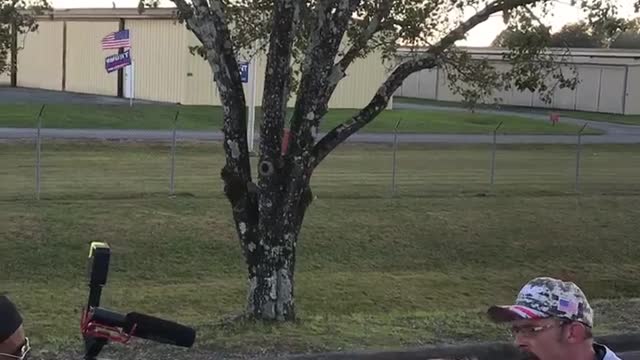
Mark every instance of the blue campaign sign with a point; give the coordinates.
(244, 72)
(117, 61)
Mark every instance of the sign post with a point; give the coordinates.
(248, 72)
(254, 76)
(132, 85)
(578, 155)
(493, 155)
(394, 166)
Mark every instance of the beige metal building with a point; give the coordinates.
(609, 82)
(65, 54)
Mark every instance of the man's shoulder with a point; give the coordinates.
(604, 353)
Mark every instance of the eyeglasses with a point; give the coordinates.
(531, 331)
(22, 353)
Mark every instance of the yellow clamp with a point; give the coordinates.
(95, 245)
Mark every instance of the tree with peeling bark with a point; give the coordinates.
(309, 47)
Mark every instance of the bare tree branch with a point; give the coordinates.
(427, 61)
(278, 76)
(331, 25)
(338, 72)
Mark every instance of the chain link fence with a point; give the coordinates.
(48, 168)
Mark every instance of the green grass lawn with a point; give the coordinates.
(160, 117)
(585, 115)
(373, 271)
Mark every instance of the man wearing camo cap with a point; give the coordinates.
(552, 320)
(14, 345)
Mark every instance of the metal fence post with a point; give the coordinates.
(493, 155)
(394, 163)
(38, 152)
(172, 181)
(578, 155)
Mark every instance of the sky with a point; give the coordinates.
(482, 35)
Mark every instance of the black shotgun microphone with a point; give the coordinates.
(99, 326)
(107, 317)
(159, 330)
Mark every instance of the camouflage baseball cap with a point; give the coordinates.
(546, 297)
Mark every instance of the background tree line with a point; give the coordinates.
(616, 33)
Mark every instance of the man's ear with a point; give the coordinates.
(576, 333)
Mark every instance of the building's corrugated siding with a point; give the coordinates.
(85, 69)
(537, 101)
(199, 86)
(589, 88)
(364, 77)
(505, 95)
(444, 91)
(600, 89)
(159, 50)
(565, 98)
(521, 98)
(260, 64)
(411, 85)
(612, 90)
(632, 103)
(40, 61)
(426, 81)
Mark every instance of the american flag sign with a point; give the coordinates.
(116, 40)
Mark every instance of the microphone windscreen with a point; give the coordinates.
(108, 317)
(159, 330)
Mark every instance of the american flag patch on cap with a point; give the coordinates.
(568, 306)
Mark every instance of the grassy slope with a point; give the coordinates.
(586, 115)
(405, 272)
(372, 271)
(157, 117)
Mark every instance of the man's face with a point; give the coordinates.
(545, 339)
(11, 348)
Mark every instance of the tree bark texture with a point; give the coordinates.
(271, 259)
(268, 214)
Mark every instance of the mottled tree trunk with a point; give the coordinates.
(270, 252)
(268, 211)
(271, 276)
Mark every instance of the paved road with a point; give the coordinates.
(607, 127)
(9, 95)
(161, 135)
